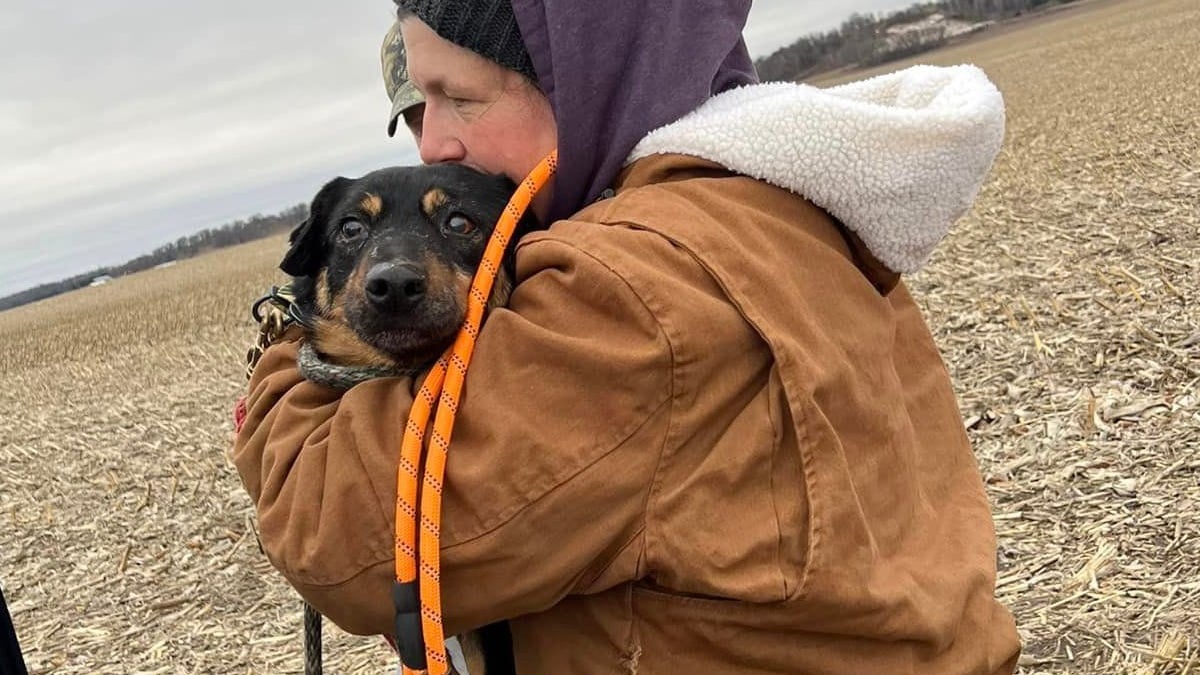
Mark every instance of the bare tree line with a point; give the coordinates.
(864, 40)
(230, 234)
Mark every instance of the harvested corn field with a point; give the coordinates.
(1065, 305)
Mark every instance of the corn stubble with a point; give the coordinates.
(1065, 306)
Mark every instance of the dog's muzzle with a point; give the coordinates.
(395, 288)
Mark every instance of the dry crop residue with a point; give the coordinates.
(1065, 305)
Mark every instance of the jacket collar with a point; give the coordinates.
(667, 168)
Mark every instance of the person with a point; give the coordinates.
(711, 432)
(11, 661)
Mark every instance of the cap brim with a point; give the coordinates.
(406, 97)
(399, 88)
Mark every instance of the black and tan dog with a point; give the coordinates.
(381, 272)
(383, 265)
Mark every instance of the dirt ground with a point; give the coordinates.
(1065, 305)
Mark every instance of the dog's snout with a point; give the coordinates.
(394, 288)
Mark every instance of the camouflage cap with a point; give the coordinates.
(400, 89)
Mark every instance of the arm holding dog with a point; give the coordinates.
(528, 463)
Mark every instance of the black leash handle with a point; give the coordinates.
(410, 641)
(312, 641)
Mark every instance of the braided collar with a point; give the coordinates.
(315, 369)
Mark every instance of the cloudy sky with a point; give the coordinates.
(125, 124)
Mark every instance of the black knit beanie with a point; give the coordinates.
(487, 27)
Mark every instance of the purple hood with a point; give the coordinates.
(615, 70)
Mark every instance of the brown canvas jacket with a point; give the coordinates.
(710, 434)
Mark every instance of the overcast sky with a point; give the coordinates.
(125, 124)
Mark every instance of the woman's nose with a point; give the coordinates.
(436, 146)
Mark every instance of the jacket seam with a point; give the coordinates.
(297, 579)
(502, 522)
(584, 583)
(633, 429)
(803, 438)
(672, 397)
(381, 505)
(775, 434)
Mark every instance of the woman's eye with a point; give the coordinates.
(463, 106)
(458, 224)
(352, 229)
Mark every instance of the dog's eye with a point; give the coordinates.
(352, 229)
(458, 224)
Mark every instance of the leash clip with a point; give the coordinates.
(409, 640)
(284, 299)
(273, 313)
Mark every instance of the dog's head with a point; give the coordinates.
(384, 263)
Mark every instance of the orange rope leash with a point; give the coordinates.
(443, 387)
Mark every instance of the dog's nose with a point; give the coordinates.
(395, 288)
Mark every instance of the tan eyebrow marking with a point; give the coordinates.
(432, 200)
(372, 205)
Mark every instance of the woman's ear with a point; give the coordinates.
(308, 239)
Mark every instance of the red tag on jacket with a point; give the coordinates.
(239, 415)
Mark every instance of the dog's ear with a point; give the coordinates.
(308, 239)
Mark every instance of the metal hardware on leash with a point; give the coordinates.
(273, 313)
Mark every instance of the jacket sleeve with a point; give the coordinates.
(564, 416)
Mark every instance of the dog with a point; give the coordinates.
(383, 265)
(381, 270)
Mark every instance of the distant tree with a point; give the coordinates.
(230, 234)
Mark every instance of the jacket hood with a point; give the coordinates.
(617, 69)
(896, 158)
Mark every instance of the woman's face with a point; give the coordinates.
(476, 112)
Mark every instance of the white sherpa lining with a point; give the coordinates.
(896, 158)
